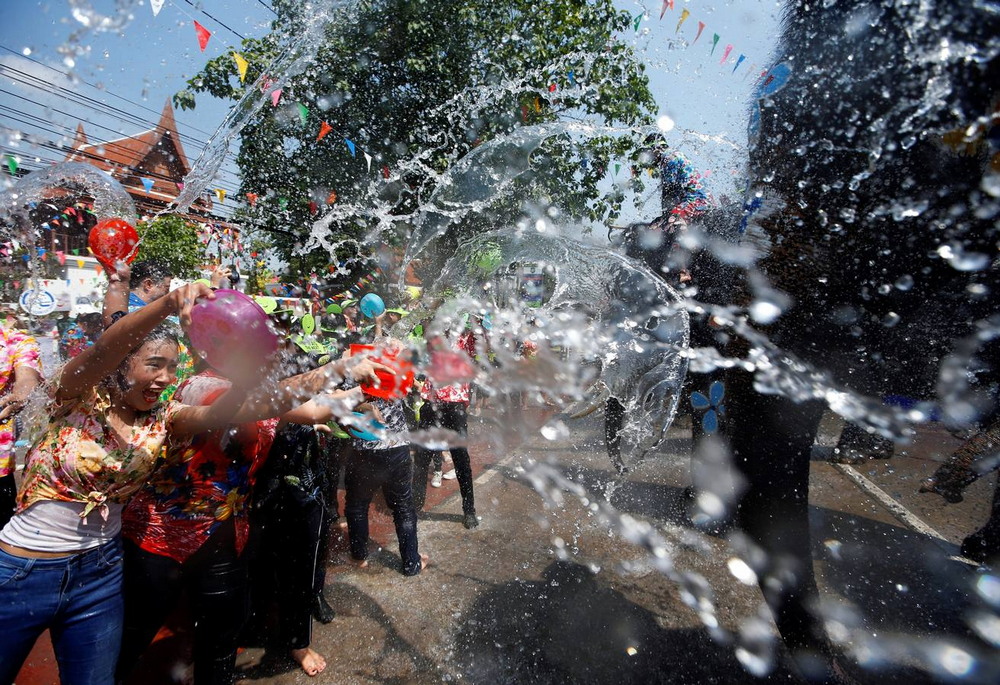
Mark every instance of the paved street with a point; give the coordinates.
(548, 595)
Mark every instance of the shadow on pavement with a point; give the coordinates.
(569, 628)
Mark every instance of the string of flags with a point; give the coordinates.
(716, 38)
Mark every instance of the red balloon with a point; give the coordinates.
(113, 240)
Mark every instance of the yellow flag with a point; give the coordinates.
(221, 194)
(241, 64)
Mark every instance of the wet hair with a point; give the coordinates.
(166, 332)
(154, 269)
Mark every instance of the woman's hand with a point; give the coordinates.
(183, 299)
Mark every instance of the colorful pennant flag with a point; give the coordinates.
(715, 41)
(667, 4)
(241, 65)
(303, 112)
(203, 35)
(725, 54)
(324, 128)
(739, 62)
(12, 165)
(275, 96)
(368, 158)
(637, 21)
(350, 146)
(156, 6)
(221, 194)
(684, 15)
(252, 199)
(332, 197)
(701, 27)
(147, 183)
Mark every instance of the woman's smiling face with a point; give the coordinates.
(150, 370)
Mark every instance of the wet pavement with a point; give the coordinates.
(549, 595)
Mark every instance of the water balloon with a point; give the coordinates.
(372, 305)
(112, 241)
(231, 332)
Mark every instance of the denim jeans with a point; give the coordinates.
(391, 470)
(77, 598)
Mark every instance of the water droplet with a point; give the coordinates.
(764, 312)
(741, 571)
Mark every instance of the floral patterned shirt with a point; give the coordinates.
(455, 392)
(16, 349)
(81, 458)
(203, 482)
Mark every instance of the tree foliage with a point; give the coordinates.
(417, 85)
(173, 240)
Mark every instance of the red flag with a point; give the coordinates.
(324, 128)
(552, 87)
(385, 172)
(331, 198)
(252, 199)
(666, 4)
(203, 35)
(313, 207)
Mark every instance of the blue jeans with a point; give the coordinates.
(392, 471)
(77, 598)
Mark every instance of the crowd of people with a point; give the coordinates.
(138, 491)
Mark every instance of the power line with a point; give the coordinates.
(261, 2)
(235, 33)
(95, 87)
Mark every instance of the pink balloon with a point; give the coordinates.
(231, 332)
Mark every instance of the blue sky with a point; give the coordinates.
(54, 71)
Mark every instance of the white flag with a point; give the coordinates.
(369, 158)
(156, 6)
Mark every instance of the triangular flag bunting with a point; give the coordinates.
(739, 62)
(701, 27)
(368, 158)
(684, 15)
(637, 21)
(715, 41)
(156, 6)
(203, 35)
(332, 197)
(180, 185)
(275, 96)
(313, 207)
(324, 128)
(350, 146)
(725, 54)
(241, 65)
(303, 112)
(12, 165)
(221, 194)
(667, 4)
(252, 199)
(147, 183)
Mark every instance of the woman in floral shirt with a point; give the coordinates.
(20, 373)
(60, 555)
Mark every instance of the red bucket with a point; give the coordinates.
(390, 387)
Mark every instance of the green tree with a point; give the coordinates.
(417, 85)
(174, 240)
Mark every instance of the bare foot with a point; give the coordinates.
(311, 662)
(360, 563)
(424, 561)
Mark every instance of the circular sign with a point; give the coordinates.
(37, 302)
